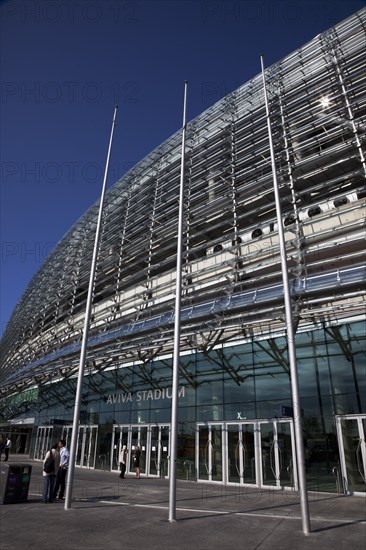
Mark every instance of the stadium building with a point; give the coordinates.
(235, 419)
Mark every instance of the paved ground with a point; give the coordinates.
(113, 514)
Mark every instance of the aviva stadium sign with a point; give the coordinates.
(143, 395)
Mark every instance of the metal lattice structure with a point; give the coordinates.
(232, 285)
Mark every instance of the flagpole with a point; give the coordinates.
(178, 295)
(299, 442)
(75, 425)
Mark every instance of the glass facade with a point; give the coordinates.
(226, 398)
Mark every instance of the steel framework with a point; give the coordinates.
(231, 264)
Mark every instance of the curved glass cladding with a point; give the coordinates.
(232, 284)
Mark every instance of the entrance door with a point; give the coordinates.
(351, 430)
(154, 441)
(241, 453)
(262, 453)
(159, 451)
(85, 453)
(120, 438)
(43, 442)
(277, 453)
(209, 452)
(259, 453)
(138, 436)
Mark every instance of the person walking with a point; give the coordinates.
(123, 461)
(7, 448)
(136, 460)
(62, 471)
(51, 465)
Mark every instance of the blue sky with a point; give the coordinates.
(64, 64)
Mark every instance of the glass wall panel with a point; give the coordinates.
(272, 380)
(187, 378)
(209, 393)
(209, 412)
(238, 374)
(270, 409)
(210, 381)
(312, 362)
(240, 411)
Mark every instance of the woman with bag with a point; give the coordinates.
(51, 464)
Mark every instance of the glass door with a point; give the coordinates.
(43, 442)
(138, 436)
(241, 453)
(260, 453)
(159, 451)
(277, 454)
(67, 435)
(154, 441)
(86, 447)
(351, 430)
(91, 447)
(209, 452)
(120, 438)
